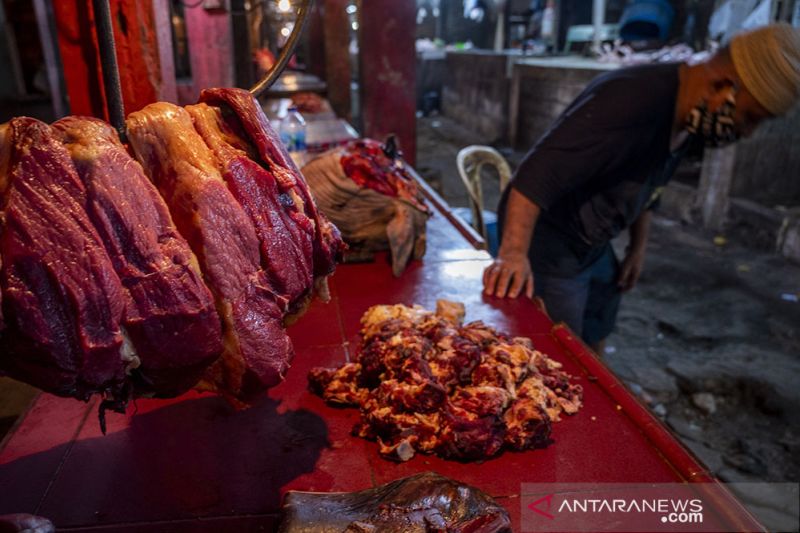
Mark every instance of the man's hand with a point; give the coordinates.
(509, 275)
(630, 270)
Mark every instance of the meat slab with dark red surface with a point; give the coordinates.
(166, 301)
(257, 351)
(63, 302)
(245, 113)
(147, 278)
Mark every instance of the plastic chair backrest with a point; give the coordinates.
(470, 162)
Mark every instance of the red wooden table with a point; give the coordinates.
(195, 464)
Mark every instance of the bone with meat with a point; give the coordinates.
(425, 382)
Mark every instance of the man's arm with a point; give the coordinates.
(631, 267)
(511, 271)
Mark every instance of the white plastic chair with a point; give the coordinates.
(470, 162)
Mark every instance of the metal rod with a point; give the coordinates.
(598, 19)
(288, 49)
(108, 61)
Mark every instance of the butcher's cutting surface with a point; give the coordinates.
(195, 464)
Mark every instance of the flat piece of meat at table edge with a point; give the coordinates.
(170, 315)
(257, 350)
(64, 301)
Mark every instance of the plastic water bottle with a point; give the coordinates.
(292, 132)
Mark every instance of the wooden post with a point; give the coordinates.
(387, 71)
(137, 55)
(315, 40)
(715, 185)
(336, 30)
(244, 66)
(210, 49)
(161, 16)
(52, 61)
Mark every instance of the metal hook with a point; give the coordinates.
(108, 60)
(288, 49)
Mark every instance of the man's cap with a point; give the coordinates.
(767, 60)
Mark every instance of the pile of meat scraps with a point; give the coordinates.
(427, 383)
(365, 188)
(143, 272)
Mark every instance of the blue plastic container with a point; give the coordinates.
(646, 20)
(490, 220)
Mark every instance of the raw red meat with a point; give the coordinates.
(245, 115)
(367, 190)
(166, 301)
(285, 232)
(64, 302)
(366, 162)
(257, 350)
(426, 383)
(125, 278)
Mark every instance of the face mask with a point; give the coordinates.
(715, 128)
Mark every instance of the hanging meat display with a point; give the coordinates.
(140, 278)
(427, 383)
(367, 191)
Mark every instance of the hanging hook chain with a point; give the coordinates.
(288, 49)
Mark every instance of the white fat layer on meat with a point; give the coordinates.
(381, 313)
(127, 352)
(322, 290)
(451, 311)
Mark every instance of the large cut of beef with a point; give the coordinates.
(129, 278)
(63, 303)
(257, 351)
(425, 382)
(297, 242)
(367, 190)
(166, 301)
(244, 112)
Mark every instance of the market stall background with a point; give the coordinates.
(503, 98)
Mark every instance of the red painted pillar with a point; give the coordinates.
(337, 55)
(137, 55)
(210, 51)
(315, 40)
(387, 70)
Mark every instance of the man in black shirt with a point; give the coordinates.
(601, 167)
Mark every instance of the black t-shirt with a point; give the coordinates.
(599, 166)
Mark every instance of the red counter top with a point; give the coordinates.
(195, 464)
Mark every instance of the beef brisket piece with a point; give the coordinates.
(244, 115)
(63, 300)
(416, 504)
(285, 232)
(169, 312)
(257, 350)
